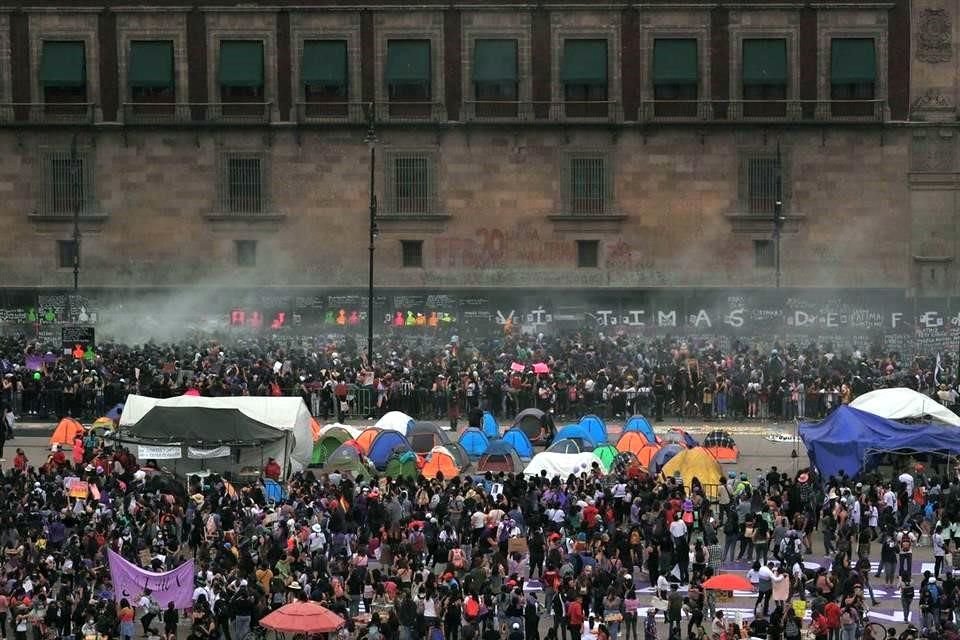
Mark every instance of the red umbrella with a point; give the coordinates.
(728, 582)
(302, 617)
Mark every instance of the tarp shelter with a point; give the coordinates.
(287, 413)
(596, 427)
(570, 445)
(561, 465)
(403, 465)
(696, 463)
(347, 459)
(490, 426)
(721, 446)
(366, 438)
(504, 461)
(475, 442)
(424, 436)
(575, 431)
(607, 454)
(384, 446)
(396, 421)
(850, 440)
(641, 425)
(201, 426)
(534, 424)
(901, 403)
(521, 444)
(65, 433)
(440, 461)
(331, 437)
(663, 456)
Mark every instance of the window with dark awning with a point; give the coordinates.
(584, 62)
(241, 63)
(151, 64)
(675, 61)
(324, 63)
(63, 64)
(765, 61)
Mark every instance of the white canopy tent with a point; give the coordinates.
(904, 404)
(561, 465)
(288, 414)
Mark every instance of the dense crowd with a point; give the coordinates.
(606, 375)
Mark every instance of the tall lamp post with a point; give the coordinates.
(77, 188)
(778, 215)
(371, 140)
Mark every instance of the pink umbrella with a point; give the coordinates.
(516, 366)
(541, 367)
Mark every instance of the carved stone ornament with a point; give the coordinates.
(931, 100)
(934, 36)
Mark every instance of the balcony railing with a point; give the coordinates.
(47, 113)
(566, 111)
(332, 112)
(403, 111)
(764, 110)
(170, 113)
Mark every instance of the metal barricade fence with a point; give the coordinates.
(361, 402)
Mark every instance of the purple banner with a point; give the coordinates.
(130, 581)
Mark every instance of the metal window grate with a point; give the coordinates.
(412, 253)
(242, 184)
(67, 183)
(587, 185)
(763, 254)
(412, 184)
(762, 181)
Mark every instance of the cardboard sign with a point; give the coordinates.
(517, 545)
(79, 489)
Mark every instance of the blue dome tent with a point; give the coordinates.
(474, 442)
(663, 456)
(500, 447)
(516, 438)
(384, 445)
(641, 425)
(575, 431)
(596, 427)
(570, 445)
(490, 426)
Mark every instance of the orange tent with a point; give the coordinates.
(440, 461)
(67, 429)
(645, 455)
(366, 438)
(632, 441)
(314, 429)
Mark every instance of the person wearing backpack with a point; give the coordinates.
(906, 597)
(791, 625)
(905, 541)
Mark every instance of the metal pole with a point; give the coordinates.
(77, 195)
(371, 140)
(778, 214)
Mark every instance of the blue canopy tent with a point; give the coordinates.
(851, 440)
(490, 426)
(574, 431)
(383, 447)
(516, 438)
(474, 442)
(641, 425)
(596, 427)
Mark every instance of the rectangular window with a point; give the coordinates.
(853, 75)
(495, 70)
(63, 71)
(764, 75)
(412, 253)
(588, 254)
(66, 253)
(240, 71)
(675, 77)
(323, 70)
(246, 252)
(762, 183)
(242, 186)
(67, 183)
(764, 254)
(409, 70)
(151, 71)
(588, 185)
(411, 184)
(583, 71)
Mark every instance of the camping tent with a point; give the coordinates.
(535, 424)
(490, 426)
(287, 413)
(595, 427)
(676, 435)
(561, 465)
(396, 421)
(459, 454)
(500, 461)
(384, 446)
(424, 436)
(366, 438)
(202, 426)
(521, 444)
(901, 403)
(696, 463)
(634, 441)
(571, 445)
(850, 439)
(402, 465)
(474, 441)
(346, 458)
(331, 437)
(607, 454)
(641, 424)
(441, 460)
(575, 431)
(663, 456)
(721, 446)
(65, 433)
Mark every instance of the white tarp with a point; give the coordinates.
(561, 464)
(285, 413)
(395, 421)
(903, 404)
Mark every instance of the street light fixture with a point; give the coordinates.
(778, 214)
(371, 140)
(76, 179)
